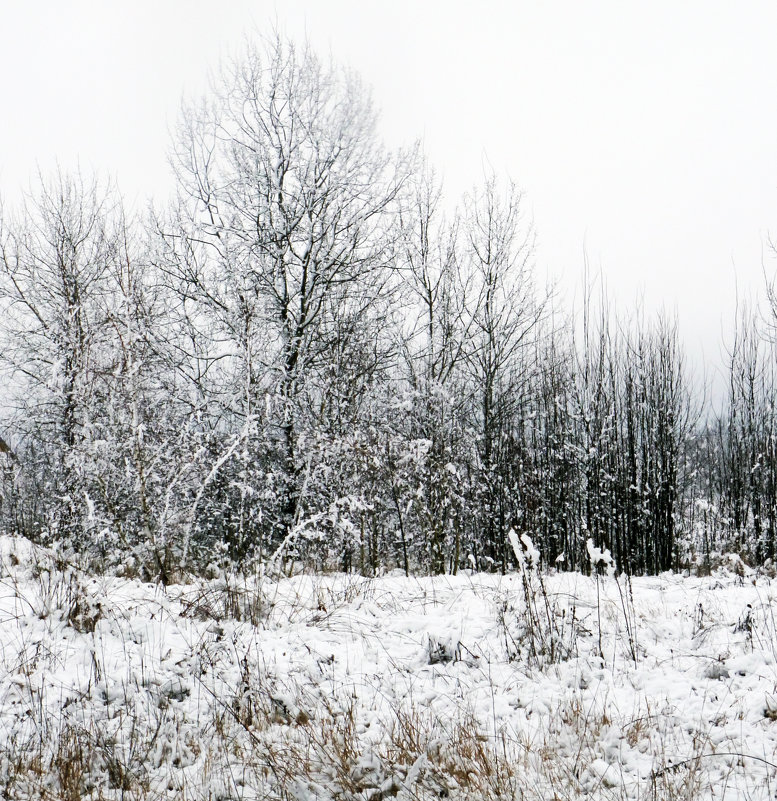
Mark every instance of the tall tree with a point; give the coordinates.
(432, 458)
(284, 237)
(55, 290)
(498, 248)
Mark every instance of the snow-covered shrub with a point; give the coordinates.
(601, 558)
(227, 598)
(62, 591)
(443, 649)
(541, 629)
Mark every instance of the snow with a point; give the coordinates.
(600, 557)
(337, 686)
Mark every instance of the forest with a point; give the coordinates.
(313, 356)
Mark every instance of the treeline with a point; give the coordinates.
(307, 358)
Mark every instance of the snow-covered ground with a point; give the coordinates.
(340, 687)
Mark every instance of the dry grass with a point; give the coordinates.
(234, 727)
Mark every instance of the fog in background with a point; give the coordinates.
(644, 136)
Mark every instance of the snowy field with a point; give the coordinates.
(559, 686)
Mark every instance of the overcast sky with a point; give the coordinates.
(644, 134)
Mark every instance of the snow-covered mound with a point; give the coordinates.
(340, 687)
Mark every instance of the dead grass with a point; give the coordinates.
(257, 732)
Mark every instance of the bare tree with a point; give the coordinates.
(745, 441)
(54, 287)
(506, 311)
(284, 233)
(428, 467)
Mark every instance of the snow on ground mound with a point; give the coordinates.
(339, 687)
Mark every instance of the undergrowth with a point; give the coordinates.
(177, 694)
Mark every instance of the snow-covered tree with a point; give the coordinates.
(282, 247)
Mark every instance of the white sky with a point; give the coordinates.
(642, 133)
